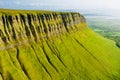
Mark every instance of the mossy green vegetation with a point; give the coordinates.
(104, 28)
(59, 48)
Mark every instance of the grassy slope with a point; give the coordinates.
(76, 56)
(81, 55)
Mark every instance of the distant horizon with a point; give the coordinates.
(61, 9)
(60, 4)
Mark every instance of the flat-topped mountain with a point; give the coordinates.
(47, 45)
(35, 25)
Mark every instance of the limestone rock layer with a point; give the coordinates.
(19, 27)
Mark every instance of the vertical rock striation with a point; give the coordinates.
(16, 29)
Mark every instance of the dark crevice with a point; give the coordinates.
(22, 18)
(87, 50)
(4, 24)
(27, 31)
(73, 17)
(46, 71)
(46, 16)
(29, 17)
(9, 76)
(56, 53)
(54, 16)
(7, 20)
(7, 23)
(8, 38)
(44, 25)
(39, 27)
(4, 39)
(64, 16)
(35, 53)
(41, 62)
(11, 59)
(49, 27)
(17, 18)
(22, 66)
(33, 17)
(14, 34)
(61, 59)
(10, 20)
(38, 17)
(1, 33)
(48, 59)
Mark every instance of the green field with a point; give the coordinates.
(108, 28)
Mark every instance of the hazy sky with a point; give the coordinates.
(63, 4)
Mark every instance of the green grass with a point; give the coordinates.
(80, 54)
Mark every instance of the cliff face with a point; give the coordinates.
(16, 28)
(43, 45)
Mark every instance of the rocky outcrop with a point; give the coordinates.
(19, 27)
